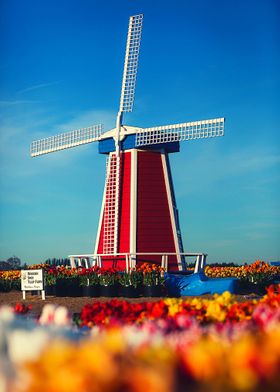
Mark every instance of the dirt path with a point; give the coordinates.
(74, 304)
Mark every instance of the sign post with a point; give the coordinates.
(32, 280)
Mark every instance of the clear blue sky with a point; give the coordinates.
(61, 67)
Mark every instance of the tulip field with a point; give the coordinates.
(258, 273)
(196, 344)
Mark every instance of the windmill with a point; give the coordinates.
(139, 213)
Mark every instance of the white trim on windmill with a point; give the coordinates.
(171, 209)
(111, 206)
(133, 203)
(101, 214)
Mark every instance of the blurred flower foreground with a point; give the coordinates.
(168, 345)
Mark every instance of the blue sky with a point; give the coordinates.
(61, 68)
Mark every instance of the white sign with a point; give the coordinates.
(32, 280)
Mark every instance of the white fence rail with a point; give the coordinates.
(89, 260)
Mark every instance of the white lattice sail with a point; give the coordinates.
(178, 132)
(66, 140)
(131, 62)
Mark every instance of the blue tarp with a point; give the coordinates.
(198, 284)
(275, 263)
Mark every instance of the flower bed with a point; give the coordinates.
(114, 363)
(170, 345)
(222, 308)
(257, 272)
(147, 280)
(107, 282)
(9, 280)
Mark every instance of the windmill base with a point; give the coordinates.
(139, 213)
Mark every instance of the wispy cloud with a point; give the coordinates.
(91, 117)
(208, 165)
(6, 103)
(18, 130)
(249, 159)
(37, 87)
(15, 102)
(223, 243)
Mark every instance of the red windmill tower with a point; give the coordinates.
(138, 216)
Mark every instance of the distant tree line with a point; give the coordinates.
(226, 264)
(12, 263)
(55, 262)
(231, 264)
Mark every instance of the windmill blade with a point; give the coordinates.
(66, 140)
(131, 62)
(177, 132)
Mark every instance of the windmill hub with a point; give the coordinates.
(124, 131)
(138, 215)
